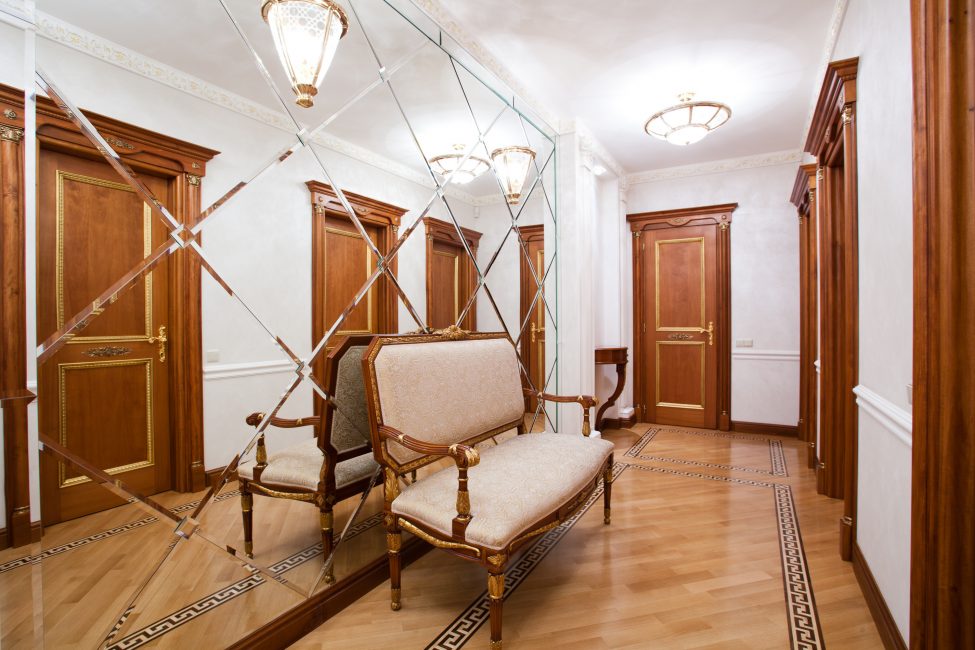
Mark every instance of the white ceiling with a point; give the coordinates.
(614, 63)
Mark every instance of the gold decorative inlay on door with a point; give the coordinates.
(656, 277)
(63, 176)
(370, 326)
(456, 259)
(677, 405)
(63, 369)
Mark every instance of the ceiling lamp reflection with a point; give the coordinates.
(512, 165)
(687, 122)
(306, 34)
(460, 171)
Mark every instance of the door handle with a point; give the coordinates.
(535, 331)
(161, 339)
(709, 331)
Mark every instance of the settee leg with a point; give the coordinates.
(496, 593)
(393, 544)
(328, 545)
(247, 512)
(607, 490)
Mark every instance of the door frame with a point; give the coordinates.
(804, 198)
(183, 165)
(325, 203)
(440, 231)
(832, 140)
(720, 217)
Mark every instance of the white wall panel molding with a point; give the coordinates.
(218, 371)
(893, 418)
(63, 33)
(766, 355)
(715, 167)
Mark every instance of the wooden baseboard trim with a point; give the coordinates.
(791, 430)
(889, 633)
(213, 475)
(619, 423)
(299, 621)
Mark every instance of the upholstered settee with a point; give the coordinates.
(437, 396)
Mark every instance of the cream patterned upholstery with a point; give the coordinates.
(516, 484)
(444, 393)
(300, 466)
(350, 422)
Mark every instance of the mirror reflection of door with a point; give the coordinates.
(342, 262)
(451, 277)
(532, 347)
(679, 314)
(104, 394)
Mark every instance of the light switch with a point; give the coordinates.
(213, 356)
(744, 343)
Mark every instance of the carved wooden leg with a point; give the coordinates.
(328, 545)
(247, 511)
(607, 489)
(496, 592)
(393, 543)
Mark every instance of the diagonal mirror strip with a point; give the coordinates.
(540, 406)
(482, 276)
(97, 307)
(46, 84)
(402, 294)
(539, 171)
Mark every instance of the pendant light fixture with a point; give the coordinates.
(464, 171)
(306, 34)
(512, 165)
(687, 122)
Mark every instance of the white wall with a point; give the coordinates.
(764, 280)
(879, 34)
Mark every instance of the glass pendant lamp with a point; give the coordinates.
(464, 171)
(687, 122)
(512, 165)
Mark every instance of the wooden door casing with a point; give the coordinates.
(532, 348)
(451, 278)
(804, 198)
(682, 343)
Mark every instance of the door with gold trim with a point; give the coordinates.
(678, 325)
(533, 337)
(348, 263)
(104, 394)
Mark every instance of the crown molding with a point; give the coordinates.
(63, 33)
(832, 36)
(589, 145)
(715, 167)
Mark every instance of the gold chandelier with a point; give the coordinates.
(687, 122)
(306, 34)
(459, 170)
(512, 165)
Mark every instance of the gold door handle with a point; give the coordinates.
(709, 331)
(161, 339)
(536, 330)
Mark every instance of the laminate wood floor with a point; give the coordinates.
(718, 540)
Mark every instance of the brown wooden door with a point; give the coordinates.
(679, 316)
(448, 284)
(104, 394)
(348, 263)
(533, 337)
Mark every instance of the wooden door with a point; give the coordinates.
(679, 316)
(533, 337)
(446, 284)
(348, 263)
(103, 395)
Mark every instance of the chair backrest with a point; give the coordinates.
(347, 423)
(441, 391)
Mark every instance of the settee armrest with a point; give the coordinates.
(586, 401)
(464, 457)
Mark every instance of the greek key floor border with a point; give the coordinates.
(776, 453)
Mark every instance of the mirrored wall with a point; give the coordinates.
(210, 246)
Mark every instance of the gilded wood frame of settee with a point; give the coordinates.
(465, 456)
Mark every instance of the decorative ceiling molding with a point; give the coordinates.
(832, 36)
(590, 145)
(58, 31)
(715, 167)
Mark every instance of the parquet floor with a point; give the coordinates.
(717, 541)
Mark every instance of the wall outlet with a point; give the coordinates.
(744, 343)
(213, 356)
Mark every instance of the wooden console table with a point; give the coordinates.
(619, 358)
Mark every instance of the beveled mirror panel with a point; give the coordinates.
(207, 261)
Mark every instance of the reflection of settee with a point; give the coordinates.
(437, 396)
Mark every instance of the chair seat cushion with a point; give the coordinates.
(300, 465)
(516, 484)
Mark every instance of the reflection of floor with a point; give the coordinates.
(712, 535)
